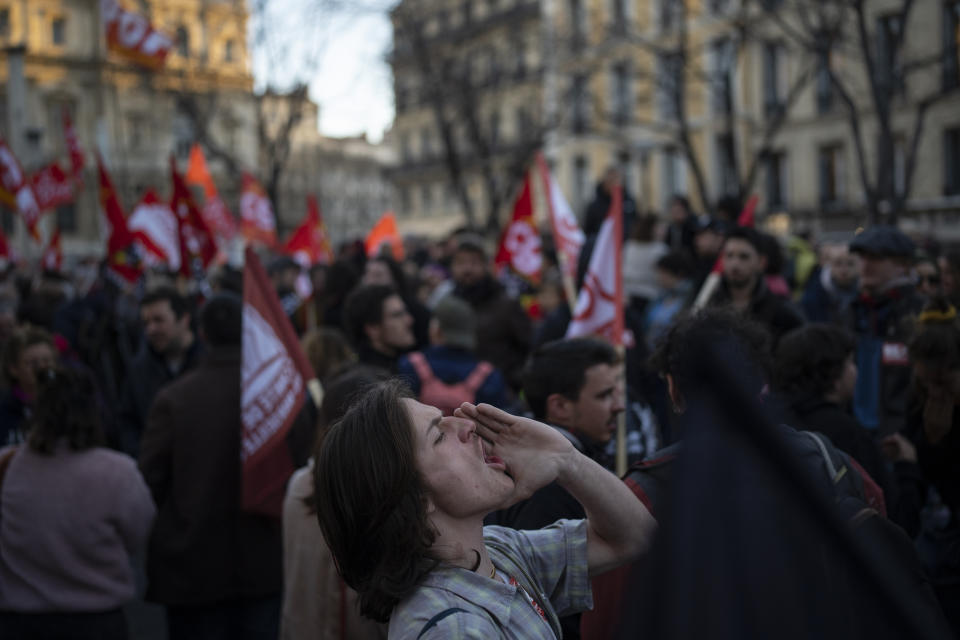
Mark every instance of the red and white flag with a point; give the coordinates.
(52, 258)
(19, 192)
(214, 210)
(274, 378)
(309, 244)
(567, 235)
(257, 222)
(599, 309)
(73, 145)
(123, 256)
(52, 187)
(197, 247)
(132, 36)
(154, 225)
(520, 242)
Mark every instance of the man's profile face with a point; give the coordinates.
(595, 412)
(163, 330)
(395, 331)
(741, 263)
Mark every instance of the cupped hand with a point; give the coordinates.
(534, 453)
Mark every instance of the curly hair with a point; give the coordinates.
(810, 359)
(371, 501)
(66, 410)
(677, 353)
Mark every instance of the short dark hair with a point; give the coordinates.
(560, 367)
(364, 306)
(66, 409)
(810, 359)
(677, 263)
(937, 336)
(371, 501)
(221, 319)
(747, 235)
(396, 273)
(679, 354)
(20, 339)
(178, 304)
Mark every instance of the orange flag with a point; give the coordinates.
(257, 222)
(520, 242)
(214, 210)
(385, 232)
(274, 379)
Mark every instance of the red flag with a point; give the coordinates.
(52, 187)
(122, 256)
(197, 248)
(274, 388)
(599, 309)
(308, 244)
(19, 192)
(520, 242)
(132, 36)
(155, 227)
(5, 257)
(257, 222)
(52, 258)
(385, 232)
(215, 212)
(73, 145)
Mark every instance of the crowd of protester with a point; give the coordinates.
(120, 416)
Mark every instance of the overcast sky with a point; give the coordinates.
(353, 82)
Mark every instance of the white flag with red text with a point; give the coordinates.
(154, 225)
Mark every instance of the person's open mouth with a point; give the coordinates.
(489, 459)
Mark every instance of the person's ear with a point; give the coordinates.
(429, 505)
(676, 399)
(559, 409)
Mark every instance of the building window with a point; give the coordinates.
(523, 123)
(951, 162)
(426, 198)
(622, 95)
(183, 42)
(467, 12)
(776, 180)
(405, 200)
(889, 29)
(669, 79)
(951, 45)
(4, 23)
(728, 182)
(674, 174)
(228, 51)
(718, 7)
(578, 24)
(58, 31)
(899, 165)
(494, 127)
(581, 181)
(668, 14)
(824, 83)
(830, 161)
(722, 61)
(67, 217)
(772, 78)
(426, 144)
(405, 154)
(619, 19)
(579, 99)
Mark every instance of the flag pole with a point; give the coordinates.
(621, 456)
(619, 327)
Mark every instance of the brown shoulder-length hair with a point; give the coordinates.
(66, 410)
(371, 501)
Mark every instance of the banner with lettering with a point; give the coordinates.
(132, 36)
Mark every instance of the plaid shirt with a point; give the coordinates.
(555, 557)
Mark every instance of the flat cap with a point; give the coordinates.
(883, 240)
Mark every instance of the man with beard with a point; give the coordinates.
(504, 331)
(743, 288)
(169, 349)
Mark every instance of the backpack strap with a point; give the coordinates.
(432, 622)
(421, 366)
(835, 474)
(475, 380)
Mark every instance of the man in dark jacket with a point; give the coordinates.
(597, 210)
(503, 328)
(882, 318)
(217, 569)
(378, 324)
(169, 349)
(743, 287)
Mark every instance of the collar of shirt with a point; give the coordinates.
(493, 596)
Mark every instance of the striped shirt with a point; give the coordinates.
(554, 559)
